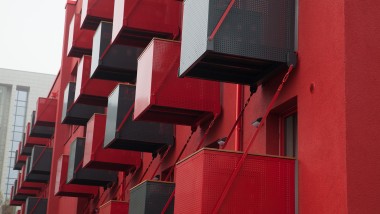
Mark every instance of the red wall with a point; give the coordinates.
(363, 101)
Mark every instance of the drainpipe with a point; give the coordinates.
(238, 129)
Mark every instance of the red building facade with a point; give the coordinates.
(313, 148)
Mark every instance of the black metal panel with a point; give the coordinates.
(34, 177)
(151, 197)
(133, 135)
(86, 176)
(253, 42)
(113, 62)
(40, 131)
(41, 160)
(76, 113)
(36, 205)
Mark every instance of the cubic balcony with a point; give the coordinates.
(79, 40)
(123, 133)
(85, 176)
(113, 61)
(33, 177)
(136, 22)
(32, 141)
(91, 91)
(96, 157)
(163, 97)
(70, 190)
(253, 42)
(36, 205)
(265, 184)
(95, 11)
(76, 113)
(24, 185)
(151, 196)
(22, 194)
(41, 160)
(14, 201)
(114, 207)
(20, 160)
(43, 119)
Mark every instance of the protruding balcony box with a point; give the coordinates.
(136, 22)
(20, 160)
(85, 176)
(265, 184)
(91, 91)
(14, 201)
(34, 177)
(43, 119)
(41, 160)
(123, 133)
(163, 97)
(22, 194)
(32, 141)
(95, 11)
(79, 40)
(36, 205)
(70, 190)
(96, 157)
(114, 207)
(76, 113)
(113, 62)
(150, 196)
(24, 185)
(253, 42)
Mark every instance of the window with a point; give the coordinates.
(281, 136)
(288, 132)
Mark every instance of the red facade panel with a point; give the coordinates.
(71, 190)
(136, 22)
(163, 97)
(95, 156)
(91, 91)
(95, 11)
(12, 201)
(264, 184)
(79, 40)
(32, 141)
(114, 207)
(46, 111)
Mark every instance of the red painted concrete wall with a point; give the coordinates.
(363, 100)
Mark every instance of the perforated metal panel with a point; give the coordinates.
(96, 157)
(163, 97)
(150, 197)
(41, 160)
(133, 135)
(113, 62)
(264, 184)
(253, 42)
(34, 177)
(76, 113)
(84, 176)
(136, 22)
(36, 205)
(114, 207)
(79, 40)
(95, 11)
(40, 131)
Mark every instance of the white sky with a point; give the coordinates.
(31, 35)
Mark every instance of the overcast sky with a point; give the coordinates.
(31, 34)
